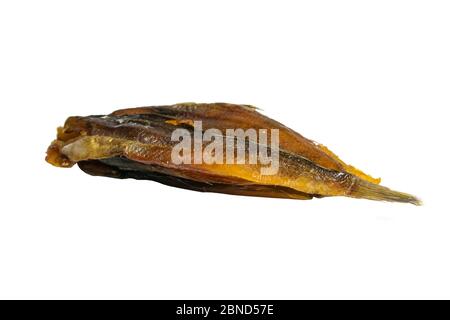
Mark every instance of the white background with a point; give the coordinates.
(369, 79)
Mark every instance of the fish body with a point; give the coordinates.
(138, 143)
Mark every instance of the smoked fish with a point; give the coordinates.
(139, 143)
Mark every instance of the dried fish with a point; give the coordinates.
(138, 143)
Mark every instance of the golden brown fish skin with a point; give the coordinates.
(146, 140)
(228, 116)
(225, 115)
(106, 137)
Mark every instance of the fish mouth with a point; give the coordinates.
(56, 158)
(66, 135)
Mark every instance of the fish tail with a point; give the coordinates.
(367, 190)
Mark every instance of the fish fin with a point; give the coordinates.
(350, 169)
(250, 107)
(366, 190)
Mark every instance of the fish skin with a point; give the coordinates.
(121, 168)
(226, 115)
(106, 137)
(143, 135)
